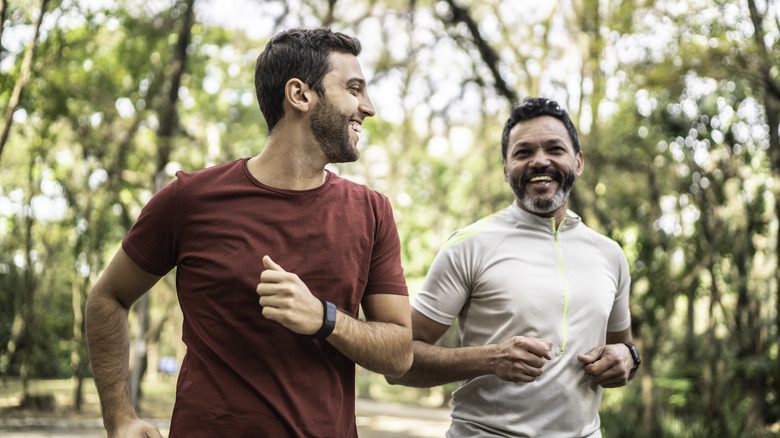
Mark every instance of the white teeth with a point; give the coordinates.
(355, 126)
(541, 178)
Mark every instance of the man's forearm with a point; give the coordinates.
(108, 342)
(382, 347)
(434, 365)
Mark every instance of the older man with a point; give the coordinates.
(541, 299)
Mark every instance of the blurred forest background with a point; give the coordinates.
(677, 103)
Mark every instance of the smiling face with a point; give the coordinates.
(338, 115)
(541, 166)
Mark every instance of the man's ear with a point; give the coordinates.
(299, 95)
(579, 164)
(506, 175)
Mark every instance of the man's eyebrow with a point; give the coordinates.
(546, 142)
(356, 80)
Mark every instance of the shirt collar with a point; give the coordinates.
(571, 220)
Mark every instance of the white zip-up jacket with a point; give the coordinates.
(514, 274)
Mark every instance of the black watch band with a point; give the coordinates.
(328, 320)
(634, 355)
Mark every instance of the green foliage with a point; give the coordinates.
(674, 129)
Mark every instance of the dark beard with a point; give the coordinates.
(544, 205)
(331, 129)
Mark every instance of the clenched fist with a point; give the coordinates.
(287, 300)
(520, 359)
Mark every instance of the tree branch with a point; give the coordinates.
(168, 113)
(24, 77)
(3, 13)
(489, 56)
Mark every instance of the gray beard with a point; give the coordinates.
(544, 206)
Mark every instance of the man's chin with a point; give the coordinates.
(536, 208)
(540, 206)
(352, 155)
(346, 158)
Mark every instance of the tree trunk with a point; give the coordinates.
(24, 76)
(168, 123)
(709, 377)
(28, 309)
(771, 101)
(748, 335)
(3, 13)
(93, 245)
(329, 15)
(650, 335)
(648, 393)
(79, 353)
(583, 198)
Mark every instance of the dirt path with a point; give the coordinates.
(374, 420)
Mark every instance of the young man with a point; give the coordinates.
(541, 299)
(280, 229)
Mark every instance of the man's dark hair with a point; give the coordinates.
(533, 107)
(296, 53)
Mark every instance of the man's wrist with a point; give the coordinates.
(328, 320)
(113, 422)
(634, 357)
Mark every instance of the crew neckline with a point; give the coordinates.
(328, 178)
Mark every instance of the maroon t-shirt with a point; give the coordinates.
(244, 375)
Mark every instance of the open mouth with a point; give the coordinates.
(355, 126)
(540, 178)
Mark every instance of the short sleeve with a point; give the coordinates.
(620, 316)
(386, 275)
(151, 241)
(447, 285)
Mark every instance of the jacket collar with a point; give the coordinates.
(544, 223)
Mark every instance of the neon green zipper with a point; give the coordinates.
(565, 284)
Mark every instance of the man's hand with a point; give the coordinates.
(608, 365)
(520, 359)
(286, 299)
(135, 429)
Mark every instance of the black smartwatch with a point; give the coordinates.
(328, 320)
(635, 356)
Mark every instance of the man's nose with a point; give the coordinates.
(539, 159)
(366, 107)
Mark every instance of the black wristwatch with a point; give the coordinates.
(328, 320)
(635, 356)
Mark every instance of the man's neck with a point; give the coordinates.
(286, 165)
(559, 214)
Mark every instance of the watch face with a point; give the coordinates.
(634, 354)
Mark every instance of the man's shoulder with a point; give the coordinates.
(193, 186)
(492, 225)
(210, 172)
(602, 242)
(355, 189)
(596, 235)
